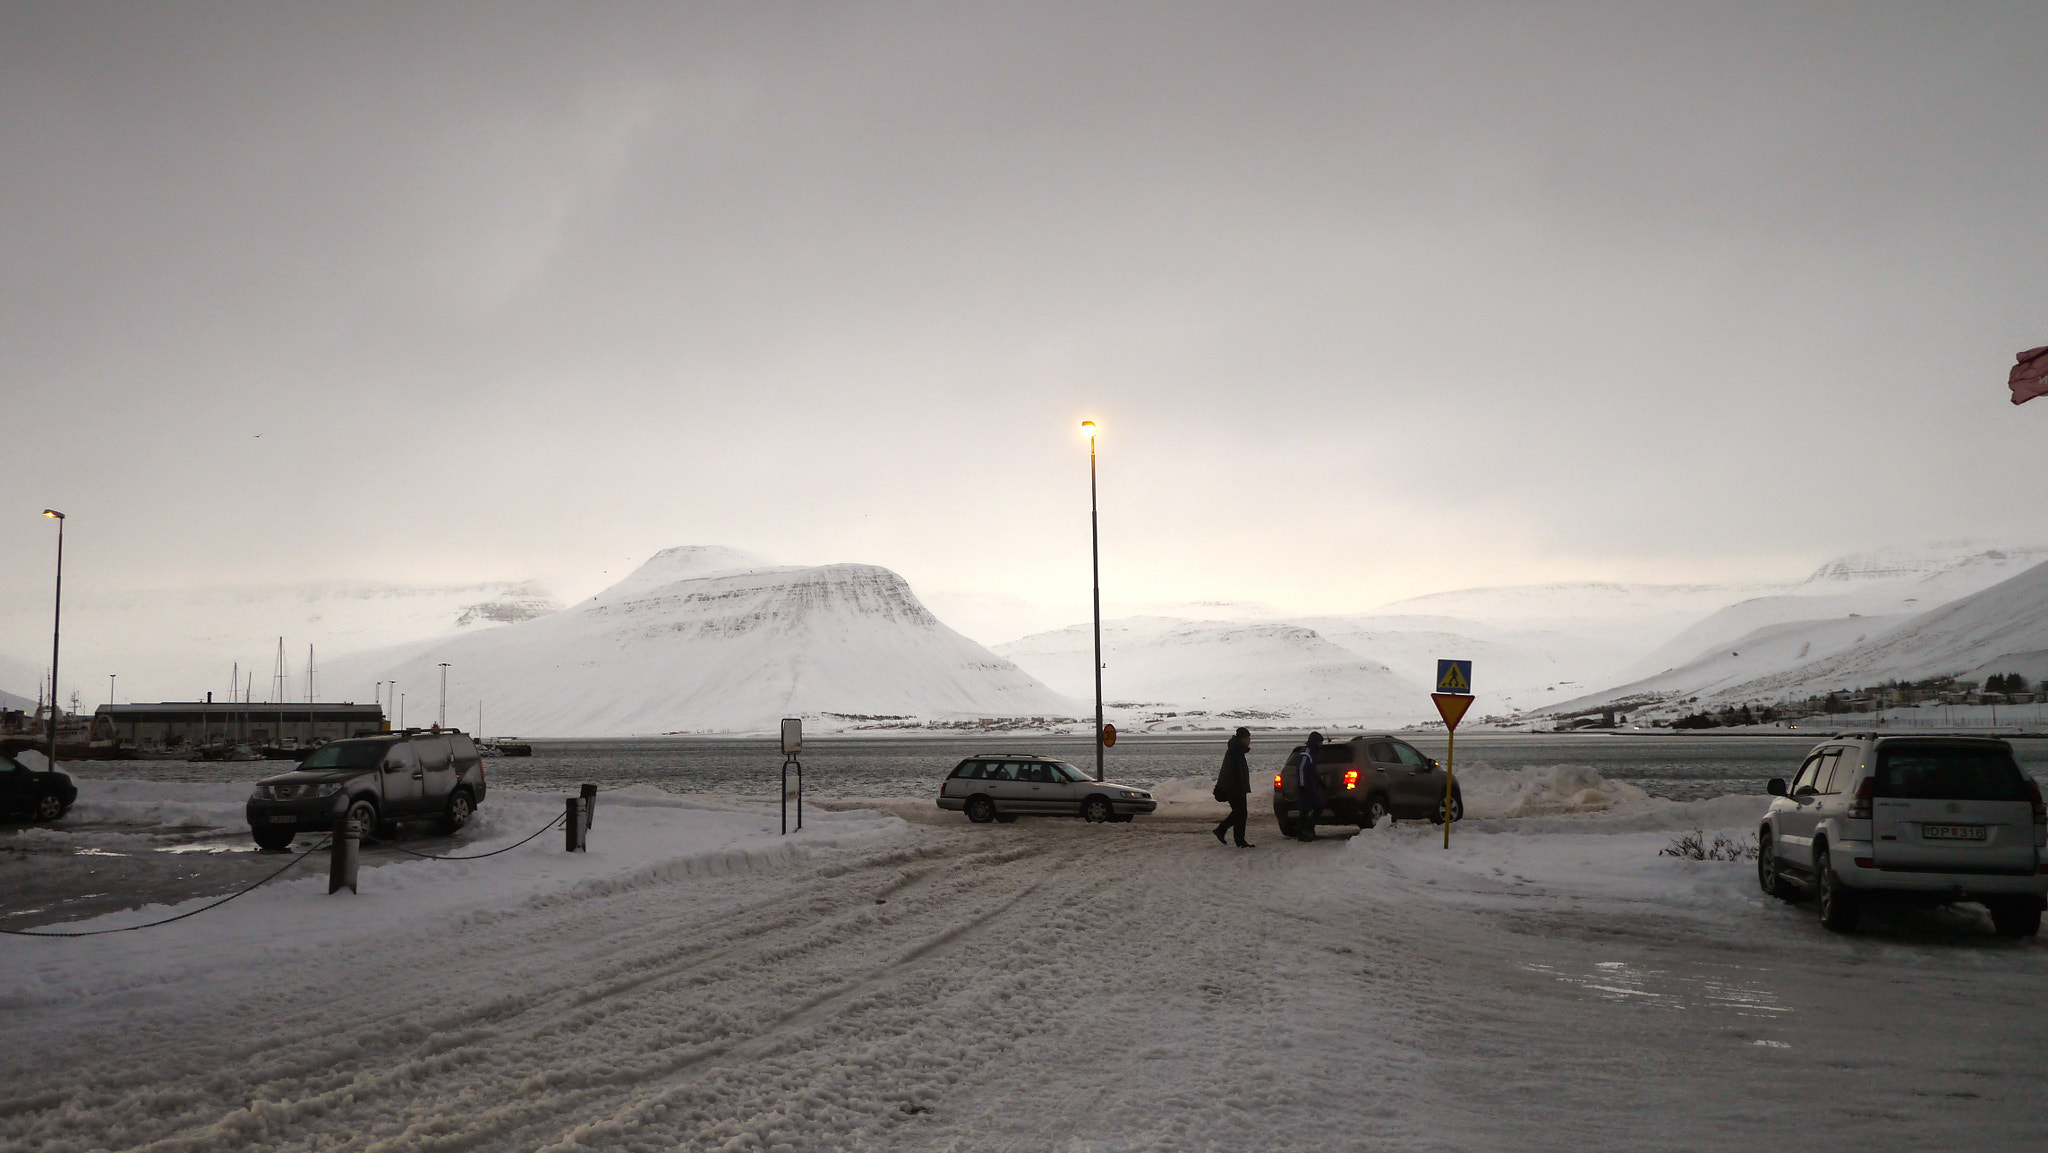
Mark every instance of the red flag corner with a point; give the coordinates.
(2029, 377)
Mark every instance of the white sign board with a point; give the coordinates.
(792, 735)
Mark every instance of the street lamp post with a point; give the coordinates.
(110, 688)
(443, 721)
(56, 631)
(1095, 570)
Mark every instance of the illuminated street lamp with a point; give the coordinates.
(56, 631)
(1095, 567)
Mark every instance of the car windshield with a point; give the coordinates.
(345, 755)
(1067, 772)
(1949, 773)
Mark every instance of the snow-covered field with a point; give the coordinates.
(894, 978)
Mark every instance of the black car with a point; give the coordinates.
(376, 781)
(26, 794)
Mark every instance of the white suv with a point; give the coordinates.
(1932, 819)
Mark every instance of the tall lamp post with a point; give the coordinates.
(1095, 570)
(442, 723)
(56, 631)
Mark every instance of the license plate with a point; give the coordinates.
(285, 819)
(1952, 832)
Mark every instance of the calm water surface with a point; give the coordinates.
(1677, 767)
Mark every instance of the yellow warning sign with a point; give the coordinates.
(1109, 736)
(1451, 706)
(1454, 676)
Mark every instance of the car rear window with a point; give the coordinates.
(1948, 773)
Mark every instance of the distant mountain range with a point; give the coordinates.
(713, 640)
(706, 639)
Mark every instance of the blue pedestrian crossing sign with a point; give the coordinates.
(1454, 676)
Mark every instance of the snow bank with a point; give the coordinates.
(1543, 790)
(173, 804)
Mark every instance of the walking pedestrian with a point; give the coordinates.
(1308, 787)
(1234, 784)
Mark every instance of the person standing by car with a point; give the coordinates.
(1308, 786)
(1233, 785)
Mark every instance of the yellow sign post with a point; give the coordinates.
(1109, 736)
(1451, 707)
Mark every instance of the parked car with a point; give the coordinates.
(1923, 819)
(33, 794)
(1367, 779)
(1003, 786)
(376, 781)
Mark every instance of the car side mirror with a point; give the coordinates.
(1775, 787)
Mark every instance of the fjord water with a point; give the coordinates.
(1684, 768)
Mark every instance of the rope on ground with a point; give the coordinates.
(554, 824)
(181, 916)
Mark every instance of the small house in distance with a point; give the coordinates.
(196, 724)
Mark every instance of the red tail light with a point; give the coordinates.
(2040, 810)
(1276, 780)
(1859, 809)
(1351, 778)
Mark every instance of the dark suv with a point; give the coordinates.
(377, 781)
(1366, 779)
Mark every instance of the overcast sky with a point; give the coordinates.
(1369, 300)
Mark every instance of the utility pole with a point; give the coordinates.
(442, 718)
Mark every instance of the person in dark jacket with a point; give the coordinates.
(1234, 784)
(1308, 786)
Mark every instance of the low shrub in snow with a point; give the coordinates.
(1694, 846)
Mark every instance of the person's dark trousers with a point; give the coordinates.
(1235, 822)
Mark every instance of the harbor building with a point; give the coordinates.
(197, 724)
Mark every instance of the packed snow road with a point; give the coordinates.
(925, 984)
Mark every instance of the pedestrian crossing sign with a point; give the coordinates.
(1454, 676)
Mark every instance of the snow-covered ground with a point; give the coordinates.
(894, 978)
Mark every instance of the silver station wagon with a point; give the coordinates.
(1004, 786)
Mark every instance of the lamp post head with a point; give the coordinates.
(53, 514)
(1088, 429)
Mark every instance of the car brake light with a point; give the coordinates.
(1859, 809)
(1276, 780)
(2040, 810)
(1351, 778)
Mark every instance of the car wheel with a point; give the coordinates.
(1096, 810)
(49, 807)
(2015, 917)
(1768, 878)
(1375, 812)
(1837, 904)
(273, 839)
(981, 810)
(459, 809)
(1281, 819)
(363, 811)
(1457, 805)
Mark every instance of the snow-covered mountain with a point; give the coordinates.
(2000, 629)
(1161, 670)
(179, 644)
(702, 640)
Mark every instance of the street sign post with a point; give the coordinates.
(1109, 736)
(1453, 696)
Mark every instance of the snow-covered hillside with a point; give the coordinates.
(1229, 670)
(179, 644)
(703, 641)
(2001, 629)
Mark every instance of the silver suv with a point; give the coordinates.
(1928, 819)
(1000, 786)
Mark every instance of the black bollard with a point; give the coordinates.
(341, 867)
(572, 825)
(589, 806)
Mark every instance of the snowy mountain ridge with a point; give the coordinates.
(691, 643)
